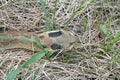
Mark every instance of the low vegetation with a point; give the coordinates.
(95, 22)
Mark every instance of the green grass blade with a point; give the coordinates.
(115, 50)
(116, 38)
(33, 59)
(46, 14)
(12, 74)
(107, 46)
(32, 41)
(77, 10)
(47, 26)
(104, 30)
(54, 12)
(74, 13)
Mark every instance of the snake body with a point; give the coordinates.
(50, 40)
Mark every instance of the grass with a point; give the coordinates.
(33, 59)
(95, 22)
(47, 15)
(107, 46)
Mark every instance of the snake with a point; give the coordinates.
(50, 40)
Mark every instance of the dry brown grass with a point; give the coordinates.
(87, 62)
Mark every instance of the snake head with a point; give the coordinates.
(58, 40)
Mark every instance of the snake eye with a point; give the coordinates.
(55, 34)
(56, 46)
